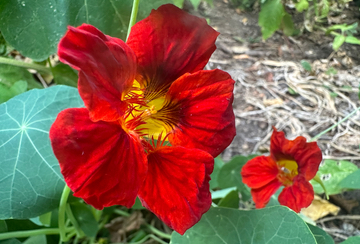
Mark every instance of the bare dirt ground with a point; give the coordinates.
(273, 89)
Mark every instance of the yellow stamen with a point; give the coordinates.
(152, 117)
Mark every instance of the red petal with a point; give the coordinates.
(107, 68)
(261, 196)
(259, 171)
(298, 196)
(100, 162)
(206, 118)
(168, 44)
(177, 186)
(308, 156)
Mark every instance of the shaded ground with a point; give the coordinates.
(273, 89)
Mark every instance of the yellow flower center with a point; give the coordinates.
(153, 117)
(288, 169)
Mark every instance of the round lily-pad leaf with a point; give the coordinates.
(273, 225)
(30, 180)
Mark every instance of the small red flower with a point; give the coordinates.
(291, 164)
(154, 119)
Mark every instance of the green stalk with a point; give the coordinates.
(145, 239)
(133, 16)
(158, 232)
(38, 67)
(333, 126)
(121, 212)
(61, 216)
(318, 180)
(28, 233)
(71, 216)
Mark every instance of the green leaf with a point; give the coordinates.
(273, 225)
(274, 198)
(145, 7)
(35, 27)
(302, 5)
(15, 89)
(229, 175)
(65, 75)
(195, 4)
(31, 183)
(270, 17)
(221, 193)
(338, 41)
(210, 2)
(2, 45)
(231, 200)
(321, 236)
(179, 3)
(40, 239)
(332, 172)
(352, 240)
(342, 27)
(292, 91)
(352, 181)
(331, 71)
(325, 8)
(3, 226)
(85, 218)
(352, 40)
(10, 74)
(288, 24)
(42, 220)
(218, 163)
(306, 65)
(138, 236)
(10, 241)
(137, 204)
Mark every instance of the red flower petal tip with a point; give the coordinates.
(292, 164)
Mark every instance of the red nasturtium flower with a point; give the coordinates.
(141, 96)
(292, 164)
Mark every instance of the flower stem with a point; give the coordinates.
(27, 233)
(38, 67)
(333, 126)
(62, 208)
(133, 16)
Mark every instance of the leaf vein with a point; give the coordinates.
(37, 151)
(117, 13)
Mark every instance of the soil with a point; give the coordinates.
(273, 89)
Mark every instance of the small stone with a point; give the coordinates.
(263, 125)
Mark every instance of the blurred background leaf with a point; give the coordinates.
(34, 28)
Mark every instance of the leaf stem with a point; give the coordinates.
(73, 220)
(121, 212)
(22, 64)
(145, 239)
(333, 126)
(318, 180)
(158, 232)
(27, 233)
(62, 208)
(133, 16)
(334, 33)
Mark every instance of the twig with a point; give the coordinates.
(342, 217)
